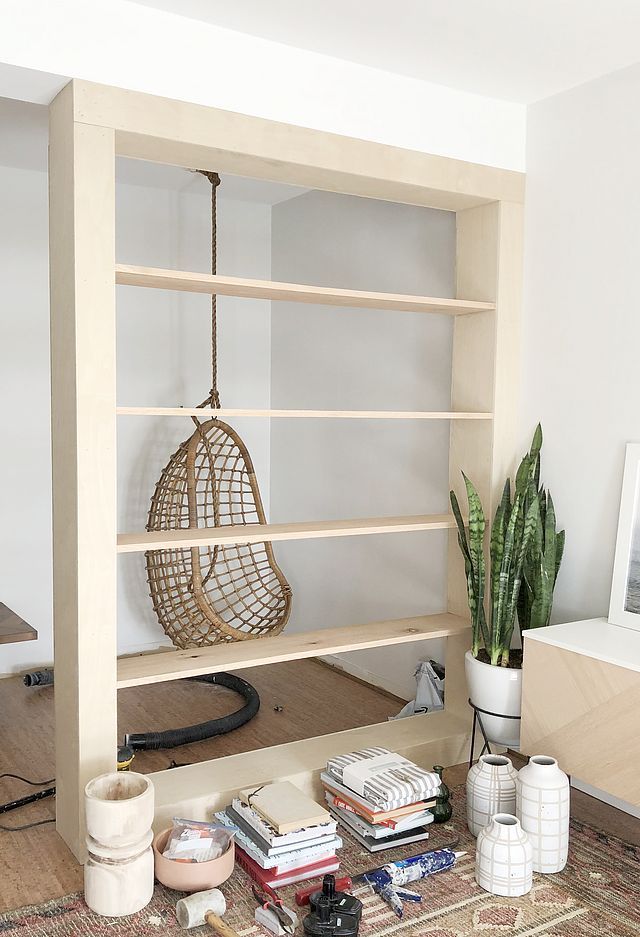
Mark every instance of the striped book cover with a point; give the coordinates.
(384, 778)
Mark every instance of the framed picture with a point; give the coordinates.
(624, 608)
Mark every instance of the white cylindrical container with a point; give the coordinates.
(542, 805)
(118, 875)
(118, 880)
(504, 858)
(491, 789)
(496, 690)
(119, 807)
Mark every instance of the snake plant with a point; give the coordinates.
(542, 562)
(524, 551)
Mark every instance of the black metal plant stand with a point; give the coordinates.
(477, 721)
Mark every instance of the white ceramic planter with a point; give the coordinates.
(497, 690)
(118, 875)
(119, 807)
(542, 805)
(491, 789)
(504, 858)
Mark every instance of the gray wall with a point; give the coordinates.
(359, 359)
(581, 376)
(163, 359)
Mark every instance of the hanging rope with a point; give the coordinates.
(214, 395)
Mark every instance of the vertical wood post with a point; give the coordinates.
(82, 251)
(486, 366)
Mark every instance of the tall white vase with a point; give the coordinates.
(491, 789)
(542, 805)
(504, 858)
(118, 874)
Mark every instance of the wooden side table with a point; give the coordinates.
(581, 703)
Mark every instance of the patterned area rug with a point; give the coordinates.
(597, 895)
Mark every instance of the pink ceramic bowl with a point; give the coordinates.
(191, 876)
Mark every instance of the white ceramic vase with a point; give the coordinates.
(118, 875)
(504, 858)
(542, 805)
(496, 690)
(491, 789)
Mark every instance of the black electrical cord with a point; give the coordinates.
(12, 804)
(26, 826)
(18, 777)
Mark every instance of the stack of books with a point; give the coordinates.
(282, 836)
(381, 798)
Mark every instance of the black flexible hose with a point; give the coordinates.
(145, 741)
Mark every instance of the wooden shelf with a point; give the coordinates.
(176, 665)
(198, 789)
(156, 278)
(13, 628)
(305, 414)
(259, 533)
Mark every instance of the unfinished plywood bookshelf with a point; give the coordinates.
(90, 125)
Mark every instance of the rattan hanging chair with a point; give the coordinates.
(212, 594)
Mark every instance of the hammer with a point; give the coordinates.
(204, 907)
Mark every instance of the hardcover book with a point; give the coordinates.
(378, 830)
(290, 877)
(384, 778)
(284, 806)
(365, 807)
(295, 858)
(268, 833)
(377, 845)
(267, 848)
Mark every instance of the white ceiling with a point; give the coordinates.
(517, 50)
(23, 145)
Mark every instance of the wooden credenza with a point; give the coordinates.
(581, 703)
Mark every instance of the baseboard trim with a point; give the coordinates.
(366, 676)
(606, 798)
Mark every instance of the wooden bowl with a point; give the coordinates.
(191, 876)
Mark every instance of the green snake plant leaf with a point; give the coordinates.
(476, 539)
(534, 452)
(504, 580)
(531, 521)
(560, 536)
(496, 550)
(523, 474)
(473, 555)
(462, 533)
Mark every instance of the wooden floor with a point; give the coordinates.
(300, 699)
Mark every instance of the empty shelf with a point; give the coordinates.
(306, 414)
(258, 533)
(155, 278)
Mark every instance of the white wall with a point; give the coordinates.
(163, 349)
(355, 359)
(131, 46)
(582, 328)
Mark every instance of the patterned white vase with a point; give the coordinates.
(542, 806)
(491, 789)
(504, 858)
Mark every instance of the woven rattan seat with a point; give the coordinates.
(211, 594)
(205, 595)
